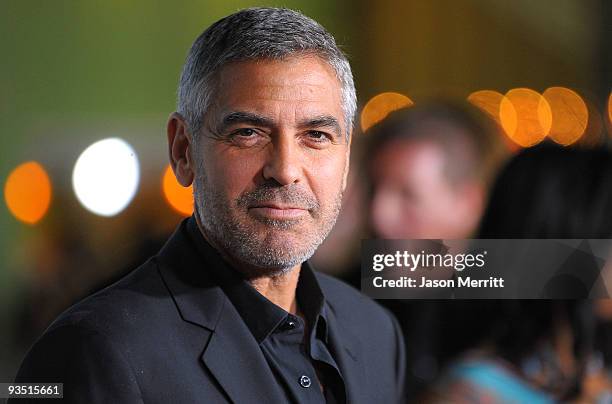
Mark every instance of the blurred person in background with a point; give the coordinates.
(533, 351)
(428, 168)
(549, 191)
(538, 349)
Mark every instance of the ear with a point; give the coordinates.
(180, 143)
(348, 161)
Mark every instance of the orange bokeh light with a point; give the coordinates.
(27, 192)
(488, 101)
(610, 109)
(380, 106)
(570, 115)
(525, 116)
(179, 197)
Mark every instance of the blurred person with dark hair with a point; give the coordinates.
(541, 348)
(428, 168)
(549, 191)
(230, 309)
(532, 351)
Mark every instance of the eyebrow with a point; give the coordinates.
(244, 117)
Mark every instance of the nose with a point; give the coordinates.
(283, 161)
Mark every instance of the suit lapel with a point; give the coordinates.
(231, 353)
(348, 355)
(235, 359)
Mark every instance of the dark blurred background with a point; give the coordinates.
(73, 73)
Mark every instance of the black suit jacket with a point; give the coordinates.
(166, 333)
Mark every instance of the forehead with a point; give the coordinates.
(408, 160)
(304, 82)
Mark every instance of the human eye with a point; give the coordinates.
(244, 132)
(245, 136)
(318, 138)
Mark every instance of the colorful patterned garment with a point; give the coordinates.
(484, 381)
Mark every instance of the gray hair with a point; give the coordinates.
(257, 33)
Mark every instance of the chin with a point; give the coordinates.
(280, 252)
(270, 263)
(286, 231)
(285, 245)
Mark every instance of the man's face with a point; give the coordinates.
(271, 162)
(413, 198)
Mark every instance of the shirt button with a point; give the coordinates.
(289, 324)
(305, 381)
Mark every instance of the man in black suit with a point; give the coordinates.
(230, 309)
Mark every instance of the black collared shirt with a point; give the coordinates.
(298, 351)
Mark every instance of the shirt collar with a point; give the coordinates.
(260, 315)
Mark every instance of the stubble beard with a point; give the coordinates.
(258, 246)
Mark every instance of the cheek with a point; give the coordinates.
(230, 174)
(325, 176)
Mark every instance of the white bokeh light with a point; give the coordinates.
(106, 175)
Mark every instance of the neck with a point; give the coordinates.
(278, 288)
